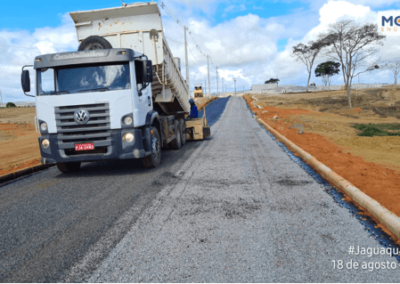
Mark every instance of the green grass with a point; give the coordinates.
(371, 130)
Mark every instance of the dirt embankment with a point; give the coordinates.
(330, 117)
(370, 163)
(18, 139)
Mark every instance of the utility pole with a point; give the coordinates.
(222, 86)
(235, 86)
(208, 70)
(187, 61)
(217, 81)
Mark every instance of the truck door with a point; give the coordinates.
(145, 102)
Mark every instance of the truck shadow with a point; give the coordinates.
(134, 166)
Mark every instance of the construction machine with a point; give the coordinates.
(198, 91)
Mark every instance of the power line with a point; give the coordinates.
(178, 22)
(209, 59)
(194, 57)
(174, 40)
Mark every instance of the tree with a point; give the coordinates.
(350, 44)
(272, 81)
(307, 55)
(326, 70)
(393, 66)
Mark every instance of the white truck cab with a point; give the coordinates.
(94, 105)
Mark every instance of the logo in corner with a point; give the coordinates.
(81, 116)
(389, 22)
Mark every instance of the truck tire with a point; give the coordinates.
(94, 42)
(176, 144)
(69, 167)
(154, 159)
(183, 132)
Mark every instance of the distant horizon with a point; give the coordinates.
(238, 90)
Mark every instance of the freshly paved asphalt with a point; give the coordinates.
(233, 208)
(49, 221)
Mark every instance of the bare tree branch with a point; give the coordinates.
(307, 54)
(393, 66)
(348, 43)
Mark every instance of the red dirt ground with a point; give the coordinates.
(19, 147)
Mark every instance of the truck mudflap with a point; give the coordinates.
(114, 148)
(206, 132)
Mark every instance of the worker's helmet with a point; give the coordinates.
(191, 101)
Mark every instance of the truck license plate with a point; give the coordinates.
(84, 147)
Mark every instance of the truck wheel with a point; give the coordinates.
(94, 42)
(176, 143)
(183, 132)
(69, 167)
(154, 159)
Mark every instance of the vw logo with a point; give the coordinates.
(81, 116)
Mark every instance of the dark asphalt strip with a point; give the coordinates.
(50, 220)
(367, 222)
(215, 110)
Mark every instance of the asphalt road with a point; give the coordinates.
(233, 208)
(50, 221)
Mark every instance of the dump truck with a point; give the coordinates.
(120, 96)
(198, 91)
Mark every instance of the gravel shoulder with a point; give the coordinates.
(240, 210)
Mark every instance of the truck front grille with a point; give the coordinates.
(96, 130)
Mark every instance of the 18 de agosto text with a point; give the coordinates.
(353, 264)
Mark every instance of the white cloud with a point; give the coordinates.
(19, 48)
(374, 3)
(332, 11)
(239, 44)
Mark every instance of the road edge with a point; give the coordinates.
(23, 172)
(386, 217)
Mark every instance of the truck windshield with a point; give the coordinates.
(83, 78)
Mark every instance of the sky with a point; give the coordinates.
(250, 41)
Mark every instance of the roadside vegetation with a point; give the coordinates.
(371, 130)
(353, 45)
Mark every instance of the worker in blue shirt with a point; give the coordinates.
(194, 111)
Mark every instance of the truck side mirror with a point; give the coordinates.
(139, 69)
(149, 71)
(144, 70)
(25, 81)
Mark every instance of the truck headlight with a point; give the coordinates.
(128, 120)
(43, 126)
(45, 143)
(128, 137)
